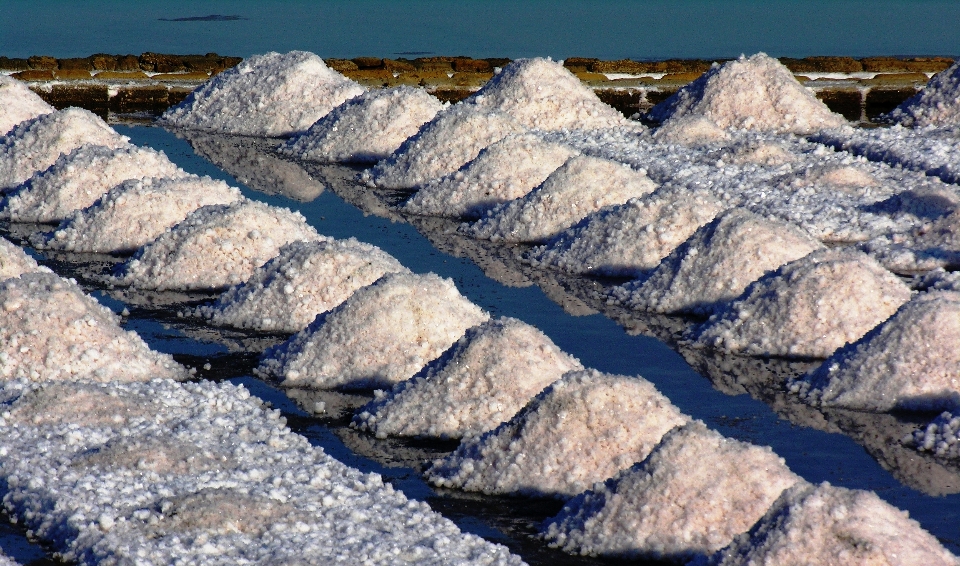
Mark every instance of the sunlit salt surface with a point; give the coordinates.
(751, 93)
(928, 246)
(214, 247)
(134, 213)
(691, 129)
(693, 494)
(823, 524)
(482, 381)
(808, 308)
(506, 170)
(18, 103)
(79, 178)
(940, 437)
(14, 261)
(51, 331)
(274, 94)
(582, 429)
(367, 128)
(383, 334)
(938, 104)
(304, 280)
(715, 265)
(36, 144)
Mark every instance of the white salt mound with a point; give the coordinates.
(79, 178)
(941, 437)
(18, 103)
(750, 93)
(716, 264)
(367, 128)
(36, 144)
(808, 308)
(506, 170)
(50, 330)
(488, 375)
(215, 246)
(304, 280)
(14, 261)
(582, 429)
(266, 95)
(454, 137)
(136, 212)
(383, 334)
(911, 362)
(695, 492)
(822, 524)
(631, 238)
(690, 129)
(937, 105)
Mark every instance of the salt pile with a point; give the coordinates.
(442, 146)
(266, 95)
(18, 103)
(940, 436)
(690, 129)
(937, 105)
(14, 261)
(929, 246)
(631, 238)
(823, 524)
(135, 213)
(695, 492)
(36, 144)
(482, 381)
(79, 178)
(581, 186)
(808, 308)
(383, 334)
(750, 93)
(716, 264)
(582, 429)
(909, 362)
(304, 280)
(367, 128)
(506, 170)
(214, 247)
(50, 330)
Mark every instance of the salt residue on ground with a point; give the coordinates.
(506, 170)
(808, 308)
(14, 261)
(272, 94)
(304, 280)
(940, 437)
(482, 381)
(367, 128)
(79, 178)
(18, 103)
(214, 247)
(695, 492)
(134, 213)
(582, 429)
(36, 144)
(928, 246)
(50, 330)
(823, 524)
(383, 334)
(581, 186)
(716, 264)
(750, 93)
(938, 104)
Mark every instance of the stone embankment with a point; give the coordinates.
(859, 89)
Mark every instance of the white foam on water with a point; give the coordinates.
(938, 104)
(14, 261)
(18, 103)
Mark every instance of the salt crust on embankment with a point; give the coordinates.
(304, 280)
(938, 104)
(36, 144)
(367, 128)
(911, 361)
(581, 186)
(214, 247)
(503, 171)
(692, 495)
(808, 308)
(14, 261)
(18, 103)
(202, 473)
(383, 334)
(482, 381)
(134, 213)
(716, 264)
(79, 178)
(823, 524)
(751, 93)
(50, 331)
(272, 94)
(582, 429)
